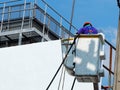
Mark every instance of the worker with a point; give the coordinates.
(87, 29)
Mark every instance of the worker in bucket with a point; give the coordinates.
(87, 29)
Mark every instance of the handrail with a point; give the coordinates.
(115, 50)
(10, 1)
(110, 72)
(58, 14)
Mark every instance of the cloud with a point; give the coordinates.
(110, 34)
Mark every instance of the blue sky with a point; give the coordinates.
(103, 14)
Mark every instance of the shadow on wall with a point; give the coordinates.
(85, 54)
(86, 58)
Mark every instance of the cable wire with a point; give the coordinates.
(62, 62)
(73, 84)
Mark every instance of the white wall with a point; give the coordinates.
(31, 67)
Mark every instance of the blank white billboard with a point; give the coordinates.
(32, 66)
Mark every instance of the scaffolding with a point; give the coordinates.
(26, 21)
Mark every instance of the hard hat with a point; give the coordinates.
(87, 23)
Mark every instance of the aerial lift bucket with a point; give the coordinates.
(85, 57)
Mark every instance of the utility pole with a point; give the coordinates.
(117, 58)
(72, 14)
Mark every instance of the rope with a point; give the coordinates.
(62, 63)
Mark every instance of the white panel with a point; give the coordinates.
(31, 67)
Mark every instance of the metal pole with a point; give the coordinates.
(20, 34)
(117, 58)
(2, 17)
(71, 19)
(44, 23)
(61, 28)
(110, 65)
(9, 15)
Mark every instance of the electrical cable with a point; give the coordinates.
(62, 62)
(74, 64)
(73, 84)
(110, 44)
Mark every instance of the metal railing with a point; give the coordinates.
(12, 13)
(108, 66)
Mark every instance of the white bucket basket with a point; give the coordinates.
(85, 64)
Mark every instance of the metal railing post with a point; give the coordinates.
(9, 15)
(60, 27)
(2, 17)
(43, 31)
(110, 65)
(20, 34)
